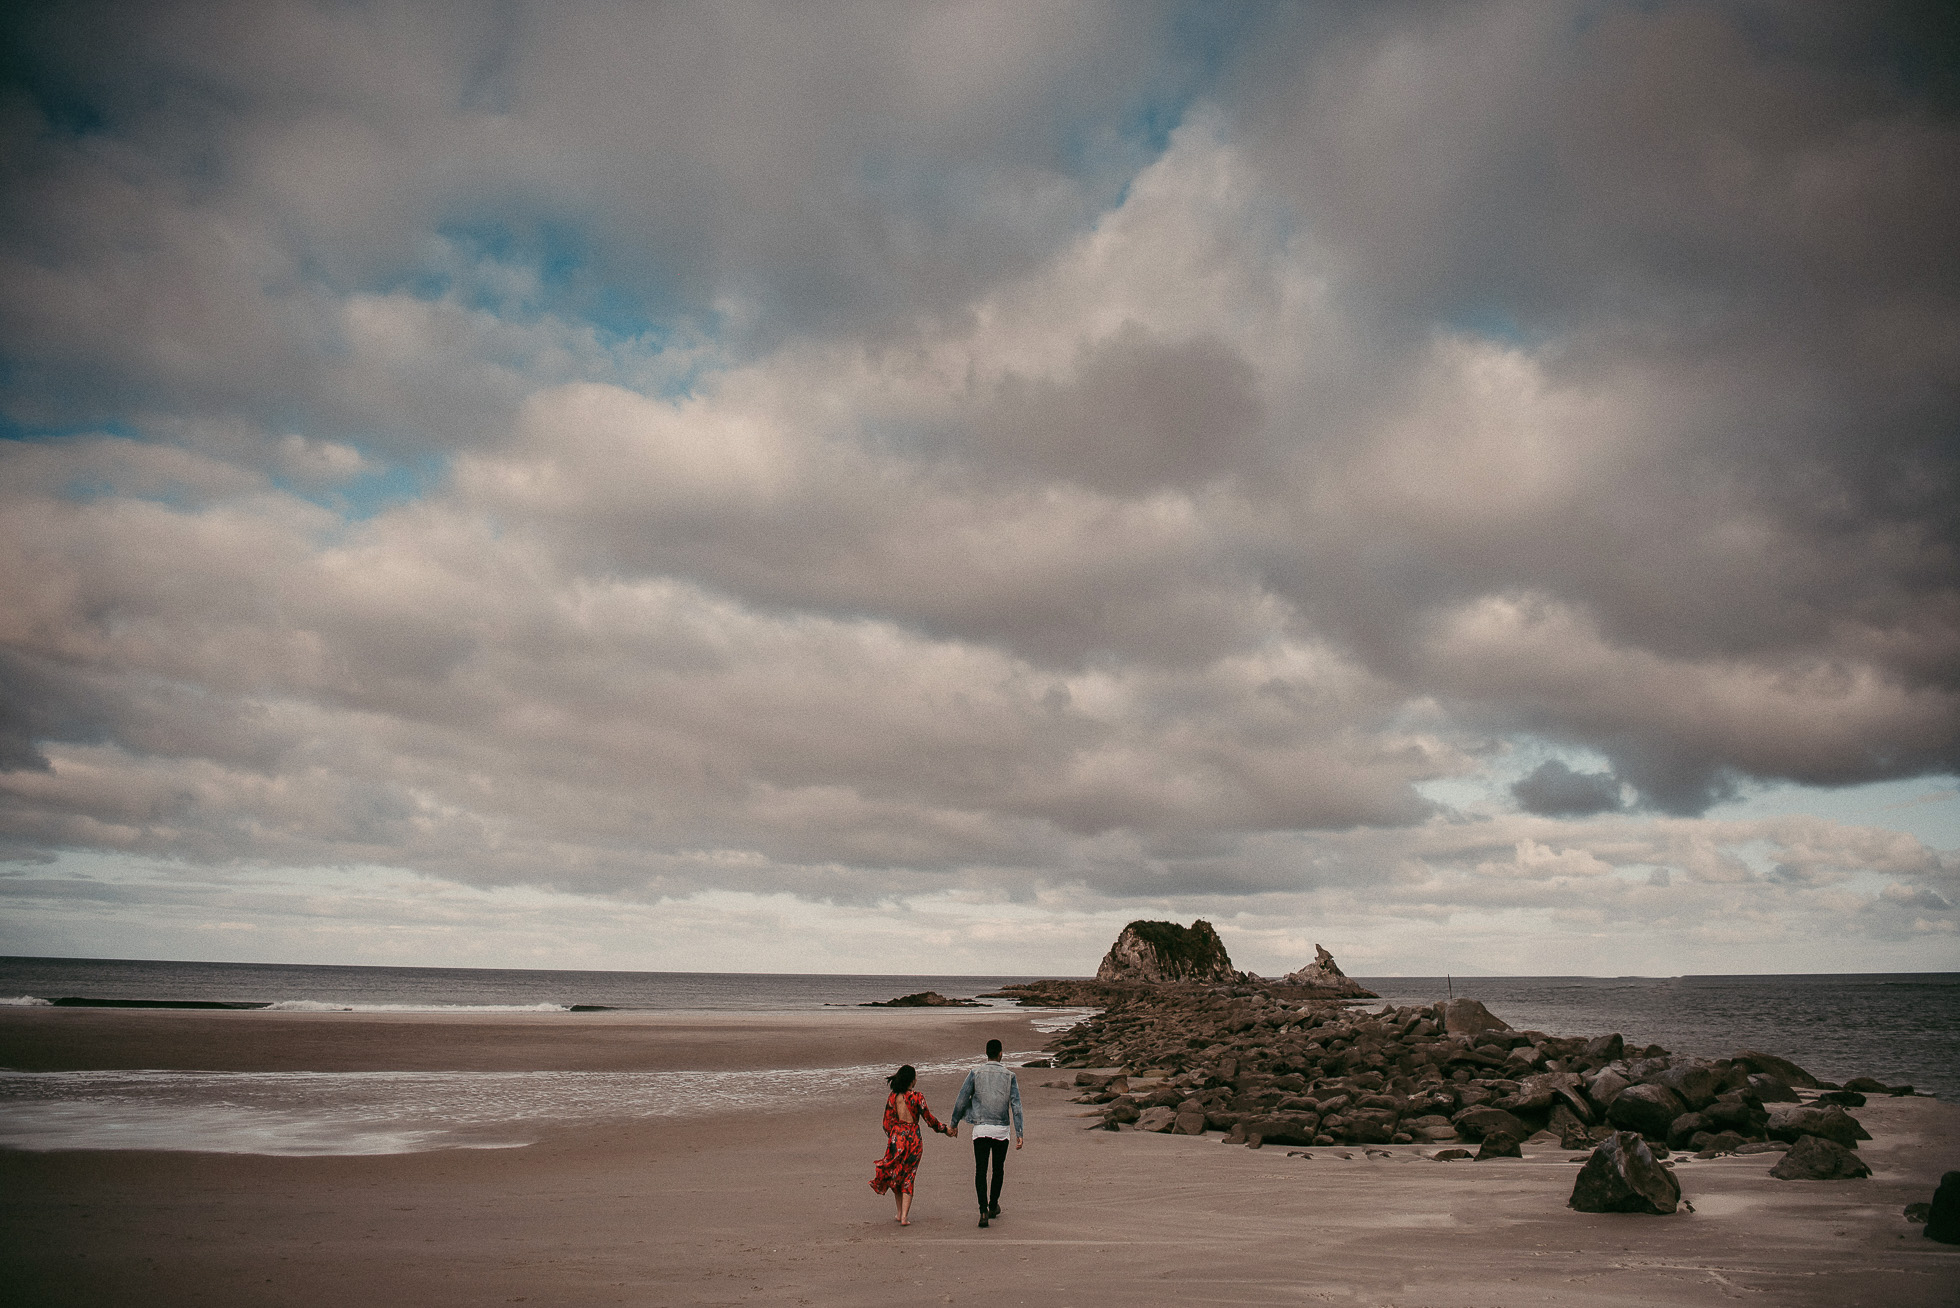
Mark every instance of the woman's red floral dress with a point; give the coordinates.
(901, 1160)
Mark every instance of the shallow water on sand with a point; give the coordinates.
(315, 1113)
(305, 988)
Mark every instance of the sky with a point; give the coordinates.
(909, 488)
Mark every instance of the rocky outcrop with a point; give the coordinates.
(1781, 1068)
(1830, 1122)
(1623, 1176)
(1257, 1060)
(1813, 1158)
(1647, 1109)
(1323, 976)
(1075, 993)
(1159, 952)
(1467, 1017)
(923, 999)
(1943, 1214)
(1500, 1144)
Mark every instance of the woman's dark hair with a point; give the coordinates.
(901, 1080)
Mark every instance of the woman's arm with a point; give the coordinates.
(925, 1115)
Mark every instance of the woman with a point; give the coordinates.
(904, 1106)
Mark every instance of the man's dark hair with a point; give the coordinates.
(993, 1049)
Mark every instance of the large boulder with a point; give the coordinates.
(1697, 1083)
(1158, 952)
(1770, 1090)
(1156, 1119)
(1604, 1086)
(1708, 1145)
(1500, 1144)
(1734, 1112)
(1538, 1094)
(1324, 977)
(1370, 1126)
(1682, 1131)
(1623, 1176)
(1572, 1133)
(1476, 1123)
(1792, 1122)
(1781, 1068)
(1943, 1223)
(1813, 1158)
(1606, 1048)
(1468, 1017)
(1646, 1109)
(1281, 1128)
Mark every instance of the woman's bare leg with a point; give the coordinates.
(898, 1202)
(905, 1210)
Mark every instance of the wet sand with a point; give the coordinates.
(774, 1207)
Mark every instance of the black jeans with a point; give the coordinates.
(984, 1149)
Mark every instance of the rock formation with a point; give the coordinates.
(923, 999)
(1467, 1017)
(1815, 1158)
(1324, 977)
(1158, 952)
(1260, 1061)
(1622, 1176)
(1943, 1214)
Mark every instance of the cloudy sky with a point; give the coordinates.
(911, 487)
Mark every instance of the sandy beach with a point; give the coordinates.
(772, 1206)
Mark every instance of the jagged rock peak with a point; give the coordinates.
(1324, 974)
(1165, 951)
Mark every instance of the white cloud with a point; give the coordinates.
(840, 460)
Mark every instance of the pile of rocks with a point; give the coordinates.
(1243, 1060)
(923, 999)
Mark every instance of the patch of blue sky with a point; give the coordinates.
(526, 272)
(1489, 792)
(1493, 321)
(1465, 795)
(12, 429)
(370, 493)
(522, 270)
(1927, 808)
(1759, 856)
(1203, 42)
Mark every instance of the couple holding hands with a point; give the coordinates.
(989, 1098)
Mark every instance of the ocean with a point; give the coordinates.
(1899, 1028)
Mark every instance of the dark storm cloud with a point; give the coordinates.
(1555, 790)
(859, 450)
(1729, 224)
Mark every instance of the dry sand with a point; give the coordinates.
(774, 1208)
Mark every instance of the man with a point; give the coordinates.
(988, 1096)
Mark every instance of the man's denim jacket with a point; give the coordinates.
(987, 1095)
